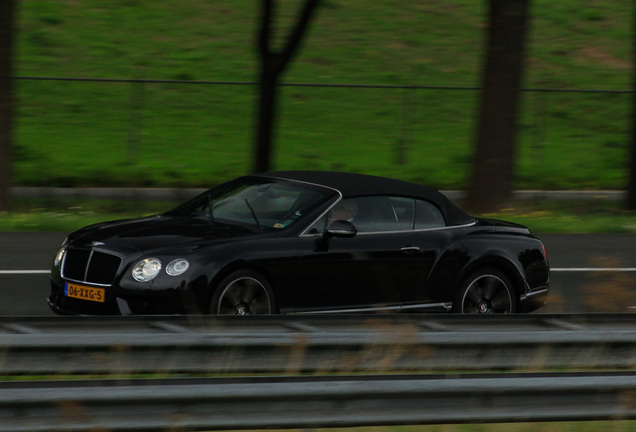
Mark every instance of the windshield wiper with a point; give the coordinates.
(258, 224)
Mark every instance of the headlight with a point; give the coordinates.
(177, 267)
(146, 270)
(60, 256)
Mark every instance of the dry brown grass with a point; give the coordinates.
(609, 292)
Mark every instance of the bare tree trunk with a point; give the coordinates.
(631, 187)
(273, 65)
(7, 9)
(493, 166)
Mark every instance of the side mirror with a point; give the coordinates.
(337, 228)
(341, 228)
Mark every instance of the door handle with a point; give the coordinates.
(410, 249)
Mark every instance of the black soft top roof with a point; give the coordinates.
(352, 185)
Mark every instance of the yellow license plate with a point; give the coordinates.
(85, 293)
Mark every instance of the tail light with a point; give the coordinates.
(545, 252)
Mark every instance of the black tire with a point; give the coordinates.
(486, 291)
(243, 292)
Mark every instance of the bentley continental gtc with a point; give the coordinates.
(302, 242)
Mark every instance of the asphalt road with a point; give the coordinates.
(577, 285)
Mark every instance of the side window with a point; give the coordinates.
(383, 214)
(427, 215)
(376, 213)
(404, 209)
(319, 226)
(346, 209)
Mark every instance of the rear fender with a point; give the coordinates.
(497, 260)
(451, 270)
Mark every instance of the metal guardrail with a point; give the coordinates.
(157, 405)
(328, 347)
(310, 344)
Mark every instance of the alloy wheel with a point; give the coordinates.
(487, 294)
(244, 295)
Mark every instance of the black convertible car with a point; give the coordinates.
(302, 242)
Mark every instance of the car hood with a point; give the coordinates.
(156, 233)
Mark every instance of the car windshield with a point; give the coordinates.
(264, 204)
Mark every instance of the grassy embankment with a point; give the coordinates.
(183, 135)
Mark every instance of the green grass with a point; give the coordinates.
(69, 214)
(87, 133)
(588, 216)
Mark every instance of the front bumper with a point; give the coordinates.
(63, 305)
(167, 302)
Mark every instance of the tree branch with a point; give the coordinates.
(298, 31)
(264, 34)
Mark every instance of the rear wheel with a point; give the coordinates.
(485, 291)
(244, 292)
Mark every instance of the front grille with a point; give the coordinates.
(89, 266)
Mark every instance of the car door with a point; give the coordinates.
(378, 269)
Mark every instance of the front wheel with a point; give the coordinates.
(243, 292)
(486, 291)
